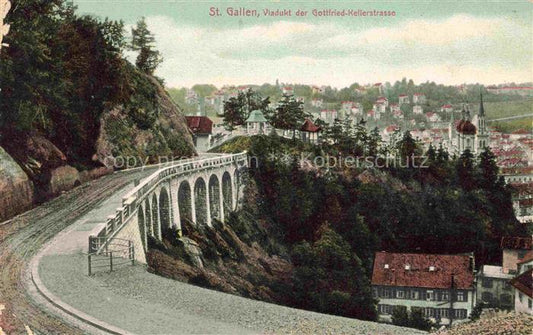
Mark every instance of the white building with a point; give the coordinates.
(494, 288)
(317, 103)
(419, 98)
(403, 99)
(328, 115)
(287, 90)
(417, 109)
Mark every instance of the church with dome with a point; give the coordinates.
(468, 133)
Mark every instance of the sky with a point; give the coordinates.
(449, 42)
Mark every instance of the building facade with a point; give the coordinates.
(443, 286)
(494, 288)
(523, 284)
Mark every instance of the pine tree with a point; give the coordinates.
(465, 171)
(374, 143)
(233, 113)
(488, 170)
(407, 148)
(289, 114)
(143, 41)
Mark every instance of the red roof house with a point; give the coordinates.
(200, 125)
(310, 127)
(423, 270)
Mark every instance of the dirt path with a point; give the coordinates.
(22, 237)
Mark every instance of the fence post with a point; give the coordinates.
(91, 243)
(132, 252)
(111, 260)
(89, 263)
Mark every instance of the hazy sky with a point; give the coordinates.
(448, 42)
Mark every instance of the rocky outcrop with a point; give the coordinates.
(123, 140)
(16, 189)
(63, 178)
(215, 257)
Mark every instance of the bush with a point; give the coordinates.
(400, 316)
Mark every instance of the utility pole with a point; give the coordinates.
(452, 297)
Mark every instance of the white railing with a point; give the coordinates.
(135, 197)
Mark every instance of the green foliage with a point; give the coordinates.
(476, 312)
(400, 316)
(289, 114)
(237, 109)
(329, 278)
(143, 41)
(204, 90)
(418, 320)
(49, 86)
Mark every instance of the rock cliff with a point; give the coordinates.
(16, 189)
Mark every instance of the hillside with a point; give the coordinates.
(73, 108)
(502, 109)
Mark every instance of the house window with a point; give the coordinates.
(415, 295)
(430, 296)
(386, 293)
(461, 296)
(445, 296)
(429, 312)
(520, 295)
(507, 285)
(400, 294)
(486, 283)
(385, 309)
(506, 299)
(444, 312)
(460, 314)
(486, 297)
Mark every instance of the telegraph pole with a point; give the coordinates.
(452, 297)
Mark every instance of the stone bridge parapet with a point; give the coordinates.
(197, 190)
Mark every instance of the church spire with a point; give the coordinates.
(481, 109)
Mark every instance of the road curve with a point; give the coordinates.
(22, 237)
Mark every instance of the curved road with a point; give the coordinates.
(129, 298)
(21, 239)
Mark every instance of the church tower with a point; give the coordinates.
(482, 135)
(466, 133)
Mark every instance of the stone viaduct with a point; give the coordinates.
(197, 190)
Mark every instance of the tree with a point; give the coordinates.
(418, 320)
(400, 316)
(407, 148)
(289, 114)
(237, 109)
(465, 171)
(143, 41)
(374, 143)
(233, 113)
(488, 170)
(361, 138)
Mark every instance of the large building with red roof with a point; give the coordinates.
(443, 286)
